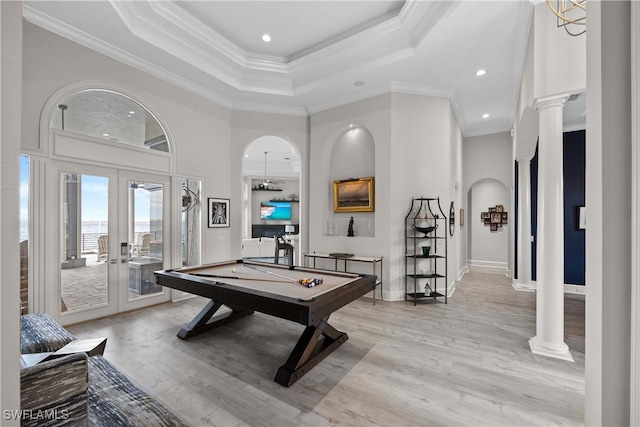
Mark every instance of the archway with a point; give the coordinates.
(271, 169)
(488, 238)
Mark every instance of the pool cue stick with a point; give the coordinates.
(270, 272)
(216, 276)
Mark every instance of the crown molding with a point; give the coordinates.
(270, 109)
(172, 29)
(64, 30)
(163, 25)
(348, 99)
(417, 89)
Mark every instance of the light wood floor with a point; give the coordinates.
(464, 363)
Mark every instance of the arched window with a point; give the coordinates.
(109, 115)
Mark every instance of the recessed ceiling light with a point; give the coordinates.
(485, 116)
(266, 38)
(358, 83)
(481, 72)
(105, 134)
(132, 112)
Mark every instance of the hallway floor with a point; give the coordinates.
(466, 363)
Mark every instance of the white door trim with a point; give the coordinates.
(635, 216)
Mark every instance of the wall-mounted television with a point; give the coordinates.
(275, 210)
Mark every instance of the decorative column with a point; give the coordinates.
(549, 339)
(524, 225)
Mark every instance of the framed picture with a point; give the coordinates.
(485, 215)
(496, 218)
(218, 212)
(491, 210)
(487, 221)
(353, 195)
(499, 208)
(494, 227)
(505, 217)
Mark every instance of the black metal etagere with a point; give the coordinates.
(425, 225)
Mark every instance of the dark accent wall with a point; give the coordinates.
(534, 214)
(574, 158)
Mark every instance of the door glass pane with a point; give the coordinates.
(24, 234)
(191, 222)
(84, 241)
(145, 237)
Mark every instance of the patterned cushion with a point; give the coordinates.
(54, 393)
(39, 333)
(116, 401)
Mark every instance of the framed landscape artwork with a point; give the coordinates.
(353, 195)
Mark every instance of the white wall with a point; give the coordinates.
(559, 59)
(10, 136)
(487, 248)
(413, 137)
(486, 158)
(326, 129)
(608, 237)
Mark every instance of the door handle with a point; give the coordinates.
(113, 261)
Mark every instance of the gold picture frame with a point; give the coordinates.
(354, 195)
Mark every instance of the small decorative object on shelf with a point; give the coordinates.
(425, 260)
(350, 229)
(425, 230)
(341, 255)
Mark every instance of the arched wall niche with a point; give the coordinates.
(353, 155)
(487, 248)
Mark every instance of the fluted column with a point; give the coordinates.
(524, 224)
(549, 339)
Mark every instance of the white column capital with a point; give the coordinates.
(523, 160)
(551, 101)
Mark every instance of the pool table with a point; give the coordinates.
(248, 286)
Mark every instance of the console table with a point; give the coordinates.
(374, 261)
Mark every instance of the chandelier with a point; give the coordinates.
(570, 14)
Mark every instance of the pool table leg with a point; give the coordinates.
(315, 343)
(199, 323)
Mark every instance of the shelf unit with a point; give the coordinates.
(266, 189)
(420, 269)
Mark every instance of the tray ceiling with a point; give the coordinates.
(319, 50)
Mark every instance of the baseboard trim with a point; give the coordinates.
(568, 288)
(487, 264)
(464, 270)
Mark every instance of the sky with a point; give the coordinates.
(95, 196)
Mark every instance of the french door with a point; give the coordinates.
(108, 235)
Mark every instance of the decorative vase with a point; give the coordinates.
(426, 250)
